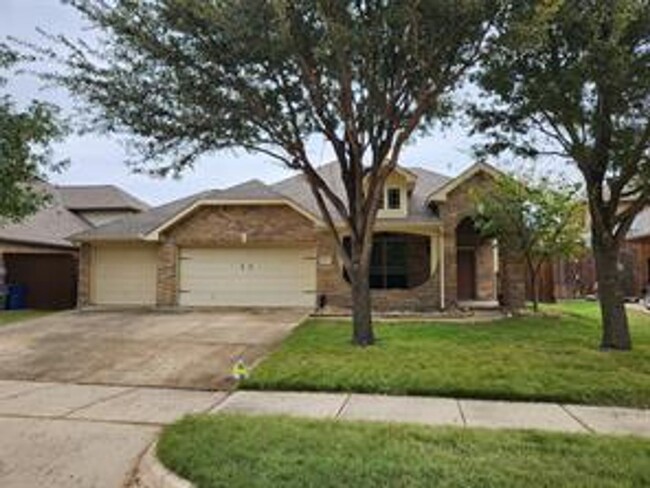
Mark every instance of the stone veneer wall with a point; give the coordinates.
(332, 285)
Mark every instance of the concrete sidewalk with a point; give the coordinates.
(68, 435)
(442, 412)
(159, 406)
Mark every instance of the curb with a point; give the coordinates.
(150, 473)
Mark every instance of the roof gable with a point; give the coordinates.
(294, 192)
(440, 194)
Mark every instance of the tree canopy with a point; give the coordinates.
(570, 79)
(25, 138)
(188, 77)
(541, 220)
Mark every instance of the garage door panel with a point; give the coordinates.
(124, 275)
(247, 277)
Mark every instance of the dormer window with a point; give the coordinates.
(394, 198)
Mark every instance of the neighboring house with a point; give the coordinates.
(267, 245)
(99, 204)
(577, 277)
(35, 253)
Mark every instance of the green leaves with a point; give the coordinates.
(25, 137)
(571, 79)
(190, 76)
(540, 220)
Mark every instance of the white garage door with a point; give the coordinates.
(124, 275)
(262, 277)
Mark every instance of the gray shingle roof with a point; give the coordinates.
(49, 226)
(136, 225)
(294, 189)
(53, 224)
(99, 197)
(427, 181)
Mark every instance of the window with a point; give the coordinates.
(398, 261)
(394, 197)
(388, 266)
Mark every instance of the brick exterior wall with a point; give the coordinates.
(167, 274)
(250, 225)
(226, 226)
(83, 286)
(486, 282)
(237, 225)
(459, 205)
(336, 290)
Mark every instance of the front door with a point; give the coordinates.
(466, 269)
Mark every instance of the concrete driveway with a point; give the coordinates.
(185, 349)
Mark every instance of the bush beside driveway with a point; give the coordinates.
(537, 358)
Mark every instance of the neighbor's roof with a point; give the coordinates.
(54, 223)
(138, 225)
(50, 226)
(293, 190)
(641, 226)
(99, 197)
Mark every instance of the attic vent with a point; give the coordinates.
(435, 209)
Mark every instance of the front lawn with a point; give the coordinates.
(11, 316)
(233, 451)
(531, 358)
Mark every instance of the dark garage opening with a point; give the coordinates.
(50, 279)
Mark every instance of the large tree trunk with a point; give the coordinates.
(362, 333)
(534, 286)
(616, 333)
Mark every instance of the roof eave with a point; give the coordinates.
(440, 194)
(154, 234)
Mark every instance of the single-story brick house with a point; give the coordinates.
(266, 245)
(36, 253)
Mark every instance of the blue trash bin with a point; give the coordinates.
(16, 297)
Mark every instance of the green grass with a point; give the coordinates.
(10, 316)
(233, 451)
(527, 358)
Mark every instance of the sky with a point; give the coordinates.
(100, 159)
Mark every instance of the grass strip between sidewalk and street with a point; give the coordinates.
(234, 451)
